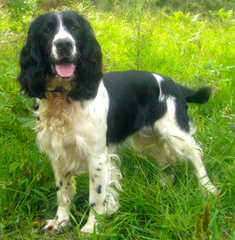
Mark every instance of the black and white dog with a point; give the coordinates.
(84, 114)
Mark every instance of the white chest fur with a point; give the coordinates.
(70, 131)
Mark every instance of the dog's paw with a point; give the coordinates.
(54, 225)
(213, 190)
(88, 228)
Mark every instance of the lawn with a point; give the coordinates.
(193, 48)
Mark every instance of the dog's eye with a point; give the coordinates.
(49, 28)
(72, 27)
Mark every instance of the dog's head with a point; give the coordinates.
(61, 46)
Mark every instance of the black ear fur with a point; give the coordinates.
(32, 75)
(89, 66)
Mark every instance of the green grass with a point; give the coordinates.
(192, 49)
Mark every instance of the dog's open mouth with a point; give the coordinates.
(65, 70)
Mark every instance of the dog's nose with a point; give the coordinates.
(63, 45)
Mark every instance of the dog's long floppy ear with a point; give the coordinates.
(89, 67)
(32, 75)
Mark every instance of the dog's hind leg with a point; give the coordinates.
(182, 145)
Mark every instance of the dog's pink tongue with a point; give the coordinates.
(65, 70)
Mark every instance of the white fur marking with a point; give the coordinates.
(159, 80)
(62, 34)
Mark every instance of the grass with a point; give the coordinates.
(193, 49)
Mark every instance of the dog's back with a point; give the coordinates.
(138, 99)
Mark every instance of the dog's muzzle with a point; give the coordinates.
(64, 57)
(64, 48)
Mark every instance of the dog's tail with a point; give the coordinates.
(199, 96)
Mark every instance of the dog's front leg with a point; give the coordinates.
(65, 192)
(98, 184)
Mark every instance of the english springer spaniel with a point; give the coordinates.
(83, 114)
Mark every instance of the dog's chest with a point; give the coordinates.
(66, 130)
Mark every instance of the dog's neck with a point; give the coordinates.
(58, 84)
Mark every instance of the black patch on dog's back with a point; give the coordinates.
(133, 103)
